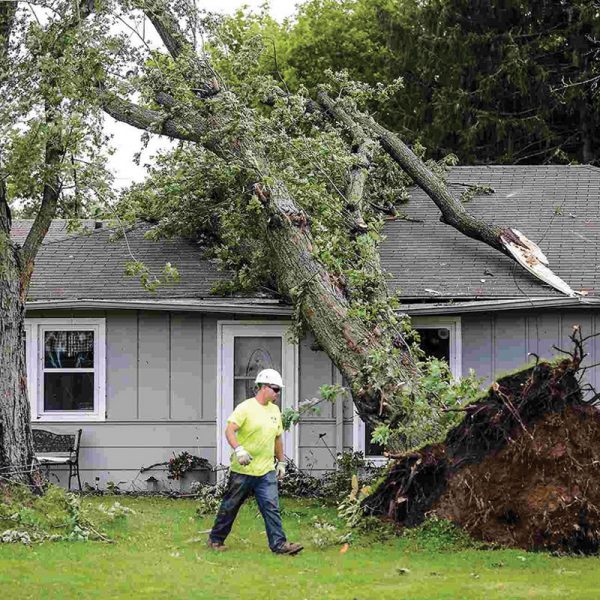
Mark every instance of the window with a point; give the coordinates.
(66, 369)
(440, 338)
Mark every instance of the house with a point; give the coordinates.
(146, 375)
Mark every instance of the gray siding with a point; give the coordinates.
(321, 434)
(496, 343)
(158, 399)
(161, 385)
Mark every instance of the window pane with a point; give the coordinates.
(68, 391)
(253, 354)
(69, 349)
(242, 390)
(436, 342)
(371, 449)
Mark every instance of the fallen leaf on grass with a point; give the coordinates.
(344, 548)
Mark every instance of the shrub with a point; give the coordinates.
(439, 535)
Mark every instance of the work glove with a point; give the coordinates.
(280, 469)
(243, 456)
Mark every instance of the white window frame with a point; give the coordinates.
(453, 324)
(227, 331)
(35, 368)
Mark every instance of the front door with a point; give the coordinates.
(244, 349)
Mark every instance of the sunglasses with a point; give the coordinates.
(274, 388)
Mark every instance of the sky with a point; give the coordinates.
(126, 139)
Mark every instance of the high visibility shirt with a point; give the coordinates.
(259, 425)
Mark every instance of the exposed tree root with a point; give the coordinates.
(522, 469)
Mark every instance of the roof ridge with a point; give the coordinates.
(90, 232)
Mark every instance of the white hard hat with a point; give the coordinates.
(270, 377)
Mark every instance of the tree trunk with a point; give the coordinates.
(16, 447)
(322, 302)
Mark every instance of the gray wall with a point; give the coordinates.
(161, 385)
(495, 343)
(160, 394)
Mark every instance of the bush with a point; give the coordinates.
(208, 498)
(56, 516)
(334, 485)
(439, 535)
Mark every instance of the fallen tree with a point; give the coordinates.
(519, 470)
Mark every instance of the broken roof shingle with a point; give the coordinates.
(557, 207)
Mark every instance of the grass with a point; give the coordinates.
(160, 552)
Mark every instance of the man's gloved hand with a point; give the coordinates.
(280, 469)
(243, 456)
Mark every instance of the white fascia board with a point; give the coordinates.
(440, 308)
(227, 306)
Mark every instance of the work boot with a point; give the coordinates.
(289, 548)
(217, 546)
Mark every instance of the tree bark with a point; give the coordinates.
(16, 268)
(16, 447)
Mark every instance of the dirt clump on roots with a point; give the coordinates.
(521, 470)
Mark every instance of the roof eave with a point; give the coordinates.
(447, 308)
(222, 305)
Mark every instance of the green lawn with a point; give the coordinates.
(159, 552)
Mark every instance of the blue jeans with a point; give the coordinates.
(239, 487)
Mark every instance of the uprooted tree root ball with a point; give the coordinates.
(521, 470)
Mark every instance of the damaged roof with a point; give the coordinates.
(557, 207)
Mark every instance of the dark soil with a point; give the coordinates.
(521, 470)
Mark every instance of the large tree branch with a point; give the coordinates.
(190, 129)
(507, 240)
(202, 78)
(54, 155)
(364, 148)
(7, 16)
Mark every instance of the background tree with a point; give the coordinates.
(49, 163)
(493, 82)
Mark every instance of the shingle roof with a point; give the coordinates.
(555, 206)
(92, 265)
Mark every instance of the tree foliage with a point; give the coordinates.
(493, 82)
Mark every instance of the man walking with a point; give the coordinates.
(254, 431)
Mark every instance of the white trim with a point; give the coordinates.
(226, 332)
(252, 306)
(35, 328)
(453, 324)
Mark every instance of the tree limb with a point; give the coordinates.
(191, 129)
(507, 240)
(54, 154)
(364, 149)
(7, 15)
(179, 46)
